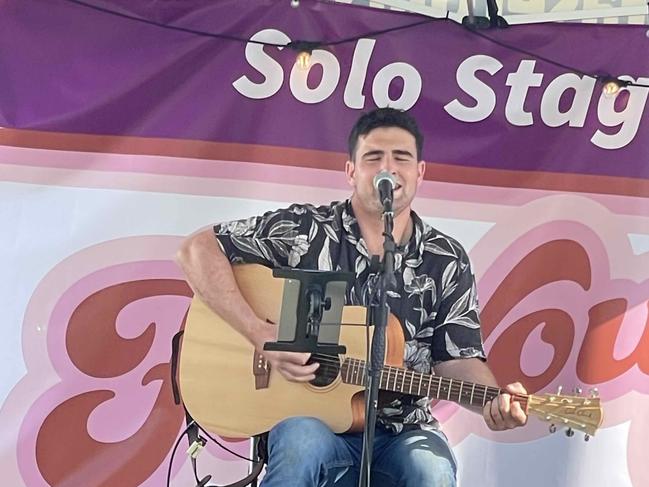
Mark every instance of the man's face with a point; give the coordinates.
(386, 148)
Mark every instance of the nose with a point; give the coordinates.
(388, 164)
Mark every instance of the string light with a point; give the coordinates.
(304, 50)
(303, 60)
(612, 86)
(306, 47)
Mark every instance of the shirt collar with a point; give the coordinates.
(412, 247)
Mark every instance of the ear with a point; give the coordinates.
(350, 172)
(421, 168)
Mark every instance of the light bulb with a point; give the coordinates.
(295, 3)
(303, 60)
(611, 88)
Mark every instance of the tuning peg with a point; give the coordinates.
(553, 428)
(586, 437)
(594, 392)
(570, 433)
(578, 391)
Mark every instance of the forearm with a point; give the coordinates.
(210, 275)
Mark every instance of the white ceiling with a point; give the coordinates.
(527, 11)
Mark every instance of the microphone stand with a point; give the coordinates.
(378, 316)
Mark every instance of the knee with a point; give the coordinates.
(432, 472)
(301, 451)
(423, 459)
(301, 428)
(299, 434)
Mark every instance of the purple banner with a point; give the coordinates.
(66, 67)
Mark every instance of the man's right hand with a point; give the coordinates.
(292, 365)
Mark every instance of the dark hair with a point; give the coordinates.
(384, 117)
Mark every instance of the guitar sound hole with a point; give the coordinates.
(328, 370)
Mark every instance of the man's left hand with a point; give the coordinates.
(503, 412)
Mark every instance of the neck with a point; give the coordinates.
(371, 226)
(397, 379)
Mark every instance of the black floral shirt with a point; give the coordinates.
(435, 299)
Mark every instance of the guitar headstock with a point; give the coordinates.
(575, 412)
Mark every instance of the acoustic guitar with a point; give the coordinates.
(229, 389)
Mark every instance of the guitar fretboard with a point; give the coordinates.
(397, 379)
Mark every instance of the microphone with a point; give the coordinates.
(384, 183)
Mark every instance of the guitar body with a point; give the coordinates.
(217, 368)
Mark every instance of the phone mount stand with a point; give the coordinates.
(311, 311)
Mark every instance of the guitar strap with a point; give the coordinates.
(193, 431)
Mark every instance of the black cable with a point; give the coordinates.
(173, 452)
(225, 447)
(180, 437)
(314, 44)
(136, 18)
(167, 26)
(384, 31)
(604, 77)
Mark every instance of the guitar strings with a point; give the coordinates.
(452, 387)
(488, 392)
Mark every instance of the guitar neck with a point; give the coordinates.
(397, 379)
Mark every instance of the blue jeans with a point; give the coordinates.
(304, 452)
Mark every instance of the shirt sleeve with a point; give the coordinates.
(274, 239)
(457, 329)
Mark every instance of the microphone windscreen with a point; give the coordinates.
(384, 176)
